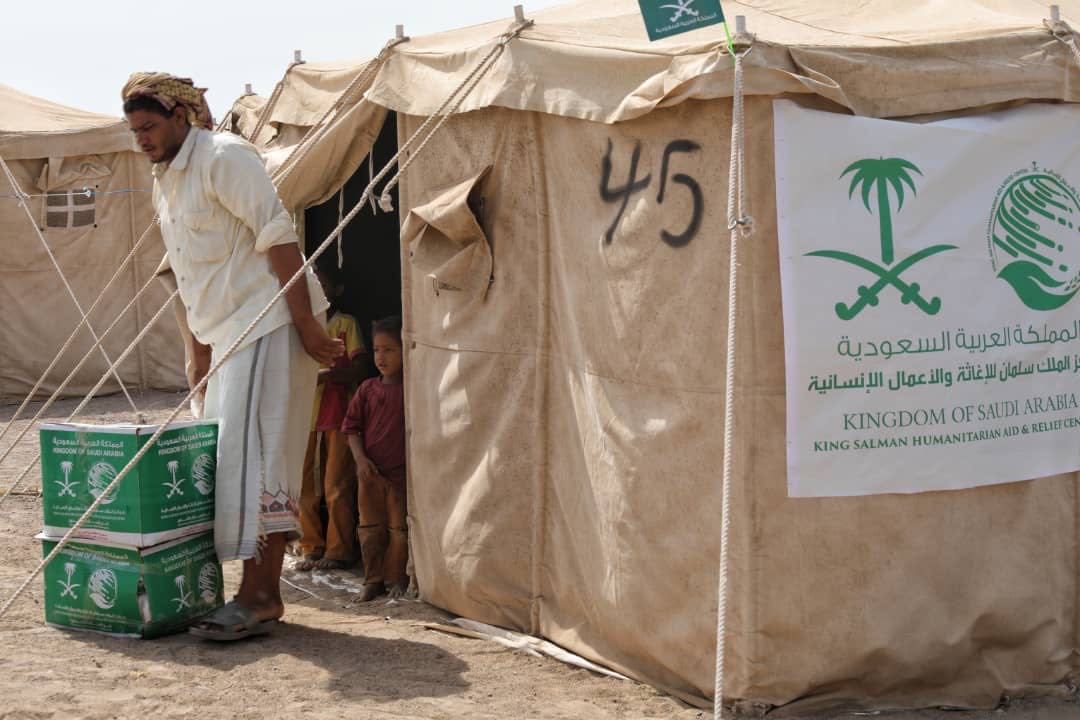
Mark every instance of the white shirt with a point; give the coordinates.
(220, 214)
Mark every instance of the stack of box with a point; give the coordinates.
(144, 564)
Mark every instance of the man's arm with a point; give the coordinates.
(196, 355)
(241, 184)
(286, 262)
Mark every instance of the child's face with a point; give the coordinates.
(387, 354)
(331, 289)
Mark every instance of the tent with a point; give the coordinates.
(89, 195)
(565, 372)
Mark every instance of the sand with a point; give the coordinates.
(333, 658)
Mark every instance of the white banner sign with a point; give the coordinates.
(931, 323)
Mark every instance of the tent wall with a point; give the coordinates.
(565, 443)
(38, 313)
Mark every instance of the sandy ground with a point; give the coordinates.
(333, 658)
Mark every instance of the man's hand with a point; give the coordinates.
(317, 343)
(201, 357)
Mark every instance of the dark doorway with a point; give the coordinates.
(371, 270)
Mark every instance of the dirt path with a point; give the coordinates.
(333, 659)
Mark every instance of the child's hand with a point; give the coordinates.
(366, 470)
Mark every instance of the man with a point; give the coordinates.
(231, 247)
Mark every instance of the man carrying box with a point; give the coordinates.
(231, 247)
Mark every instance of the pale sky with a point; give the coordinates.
(80, 52)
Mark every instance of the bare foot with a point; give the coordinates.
(328, 564)
(397, 591)
(372, 591)
(310, 562)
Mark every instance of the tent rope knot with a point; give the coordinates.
(386, 202)
(1064, 34)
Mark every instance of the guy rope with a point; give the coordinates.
(74, 372)
(449, 107)
(740, 224)
(71, 338)
(22, 202)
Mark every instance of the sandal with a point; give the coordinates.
(231, 622)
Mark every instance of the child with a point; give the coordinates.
(375, 427)
(328, 471)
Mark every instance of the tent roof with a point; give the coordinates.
(591, 59)
(34, 127)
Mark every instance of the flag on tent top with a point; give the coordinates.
(664, 18)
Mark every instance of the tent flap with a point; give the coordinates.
(446, 243)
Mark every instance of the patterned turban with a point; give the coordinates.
(171, 91)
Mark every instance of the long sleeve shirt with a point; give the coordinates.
(220, 215)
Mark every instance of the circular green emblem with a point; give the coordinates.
(103, 586)
(1035, 239)
(202, 473)
(101, 474)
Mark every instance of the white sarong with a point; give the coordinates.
(262, 398)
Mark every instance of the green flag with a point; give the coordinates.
(664, 18)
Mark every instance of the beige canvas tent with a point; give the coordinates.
(565, 373)
(89, 195)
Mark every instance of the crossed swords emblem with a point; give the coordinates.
(681, 7)
(183, 600)
(176, 487)
(884, 174)
(67, 487)
(68, 586)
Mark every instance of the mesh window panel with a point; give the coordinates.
(79, 218)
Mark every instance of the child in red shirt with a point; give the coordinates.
(375, 427)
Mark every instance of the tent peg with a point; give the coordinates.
(519, 13)
(248, 90)
(1055, 13)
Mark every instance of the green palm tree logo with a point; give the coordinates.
(884, 175)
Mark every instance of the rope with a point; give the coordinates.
(466, 86)
(300, 273)
(85, 192)
(15, 187)
(103, 496)
(302, 148)
(739, 223)
(341, 214)
(1064, 33)
(71, 338)
(64, 385)
(268, 108)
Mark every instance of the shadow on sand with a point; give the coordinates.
(358, 664)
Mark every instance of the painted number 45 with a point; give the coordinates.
(635, 185)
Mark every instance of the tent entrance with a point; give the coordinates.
(371, 261)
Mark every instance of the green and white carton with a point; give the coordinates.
(132, 592)
(168, 494)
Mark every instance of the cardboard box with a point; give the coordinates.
(169, 494)
(132, 592)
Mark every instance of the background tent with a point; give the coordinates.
(91, 198)
(565, 382)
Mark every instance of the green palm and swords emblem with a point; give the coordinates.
(884, 175)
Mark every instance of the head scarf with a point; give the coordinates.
(171, 91)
